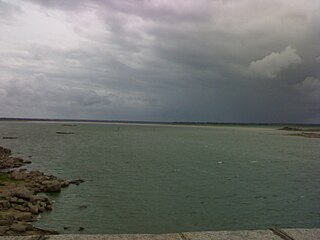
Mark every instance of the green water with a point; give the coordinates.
(153, 179)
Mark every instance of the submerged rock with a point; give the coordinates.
(76, 181)
(64, 132)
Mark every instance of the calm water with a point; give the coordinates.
(144, 178)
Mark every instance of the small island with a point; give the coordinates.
(302, 132)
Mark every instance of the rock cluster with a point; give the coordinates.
(38, 181)
(20, 203)
(12, 162)
(19, 209)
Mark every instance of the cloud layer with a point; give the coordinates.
(178, 60)
(271, 65)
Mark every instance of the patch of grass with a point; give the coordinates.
(5, 177)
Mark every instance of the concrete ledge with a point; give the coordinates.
(232, 235)
(304, 234)
(297, 234)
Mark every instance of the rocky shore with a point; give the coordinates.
(20, 201)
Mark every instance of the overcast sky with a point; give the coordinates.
(161, 60)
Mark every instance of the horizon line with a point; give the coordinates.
(150, 122)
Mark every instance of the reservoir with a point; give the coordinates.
(148, 178)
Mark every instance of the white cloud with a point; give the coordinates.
(272, 64)
(310, 87)
(310, 83)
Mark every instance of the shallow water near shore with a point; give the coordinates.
(160, 178)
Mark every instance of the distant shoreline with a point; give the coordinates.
(156, 122)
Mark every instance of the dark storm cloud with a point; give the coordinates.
(162, 60)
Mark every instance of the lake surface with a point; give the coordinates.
(160, 178)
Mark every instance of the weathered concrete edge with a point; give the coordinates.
(296, 233)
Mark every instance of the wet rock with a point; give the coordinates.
(81, 229)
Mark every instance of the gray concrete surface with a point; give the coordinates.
(304, 234)
(296, 234)
(232, 235)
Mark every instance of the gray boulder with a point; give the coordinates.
(22, 193)
(18, 227)
(51, 186)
